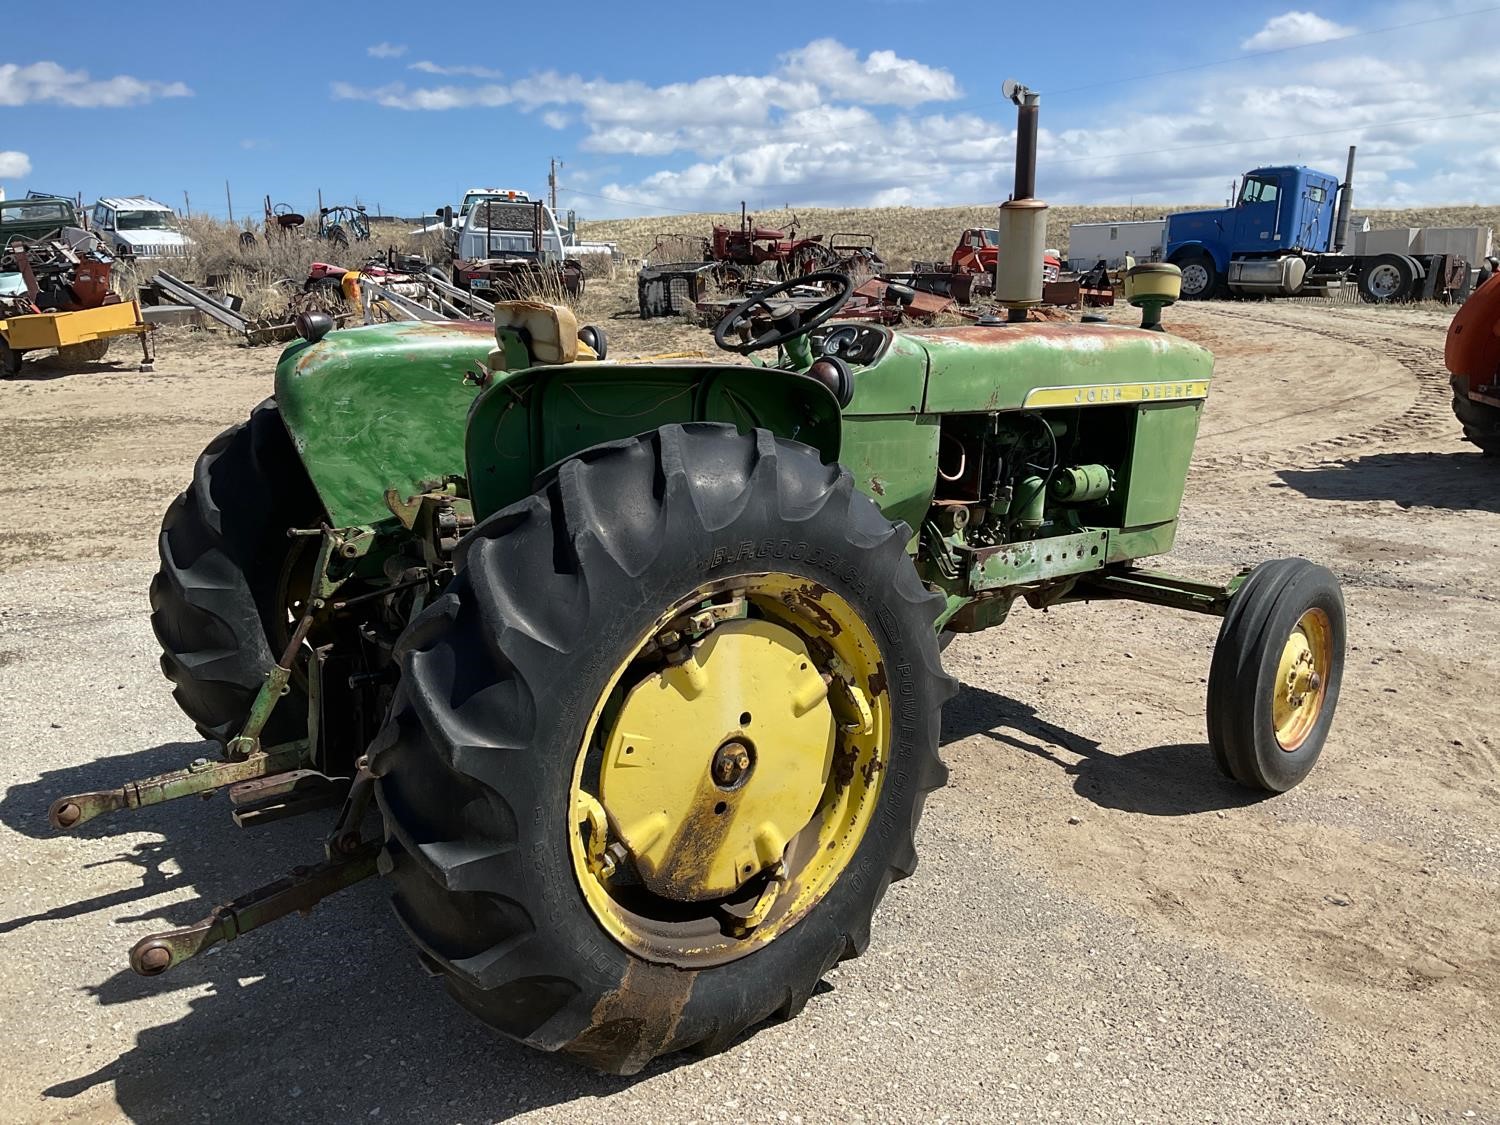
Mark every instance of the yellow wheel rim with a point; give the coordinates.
(1302, 679)
(730, 769)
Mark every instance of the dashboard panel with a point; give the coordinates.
(858, 344)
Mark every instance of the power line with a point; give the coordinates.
(637, 202)
(1091, 158)
(1244, 56)
(945, 107)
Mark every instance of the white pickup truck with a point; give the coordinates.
(511, 245)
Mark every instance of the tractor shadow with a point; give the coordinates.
(1174, 780)
(322, 1017)
(1455, 481)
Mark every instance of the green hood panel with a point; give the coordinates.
(377, 407)
(976, 368)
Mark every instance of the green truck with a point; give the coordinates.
(35, 217)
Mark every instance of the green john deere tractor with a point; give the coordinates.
(640, 662)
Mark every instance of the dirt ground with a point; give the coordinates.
(1101, 928)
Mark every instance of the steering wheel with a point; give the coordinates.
(787, 321)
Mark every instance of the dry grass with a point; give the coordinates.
(926, 233)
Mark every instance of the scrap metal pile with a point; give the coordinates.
(55, 294)
(67, 270)
(392, 287)
(687, 275)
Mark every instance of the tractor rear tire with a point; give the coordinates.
(1480, 420)
(224, 549)
(509, 685)
(1274, 681)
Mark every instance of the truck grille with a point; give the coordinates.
(157, 251)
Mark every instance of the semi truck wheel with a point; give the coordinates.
(220, 602)
(1480, 420)
(1275, 676)
(1387, 278)
(661, 745)
(1200, 277)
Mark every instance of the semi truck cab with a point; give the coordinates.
(1278, 210)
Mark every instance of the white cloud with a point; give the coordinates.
(1294, 29)
(386, 50)
(453, 71)
(14, 165)
(635, 117)
(881, 78)
(824, 126)
(396, 95)
(48, 82)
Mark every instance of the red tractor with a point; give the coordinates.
(1472, 353)
(739, 251)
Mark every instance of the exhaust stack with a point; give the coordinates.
(1023, 218)
(1346, 199)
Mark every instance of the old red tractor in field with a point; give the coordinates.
(740, 252)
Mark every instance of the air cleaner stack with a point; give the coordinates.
(1023, 218)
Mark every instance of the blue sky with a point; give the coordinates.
(655, 107)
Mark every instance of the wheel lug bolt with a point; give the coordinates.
(731, 764)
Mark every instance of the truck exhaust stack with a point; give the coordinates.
(1346, 199)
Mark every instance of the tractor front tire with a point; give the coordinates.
(1480, 420)
(556, 663)
(224, 552)
(1274, 680)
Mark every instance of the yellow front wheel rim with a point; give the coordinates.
(1302, 679)
(730, 769)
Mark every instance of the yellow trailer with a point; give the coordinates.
(82, 335)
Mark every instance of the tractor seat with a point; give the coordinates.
(550, 332)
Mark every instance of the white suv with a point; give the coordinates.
(139, 228)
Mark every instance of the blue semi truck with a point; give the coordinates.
(1287, 236)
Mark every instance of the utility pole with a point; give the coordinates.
(187, 207)
(552, 182)
(229, 202)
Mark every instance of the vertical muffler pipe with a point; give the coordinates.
(1027, 113)
(1023, 217)
(1346, 200)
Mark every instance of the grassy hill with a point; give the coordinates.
(904, 233)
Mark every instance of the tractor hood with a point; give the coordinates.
(976, 368)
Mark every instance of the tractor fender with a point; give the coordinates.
(380, 407)
(1472, 350)
(525, 422)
